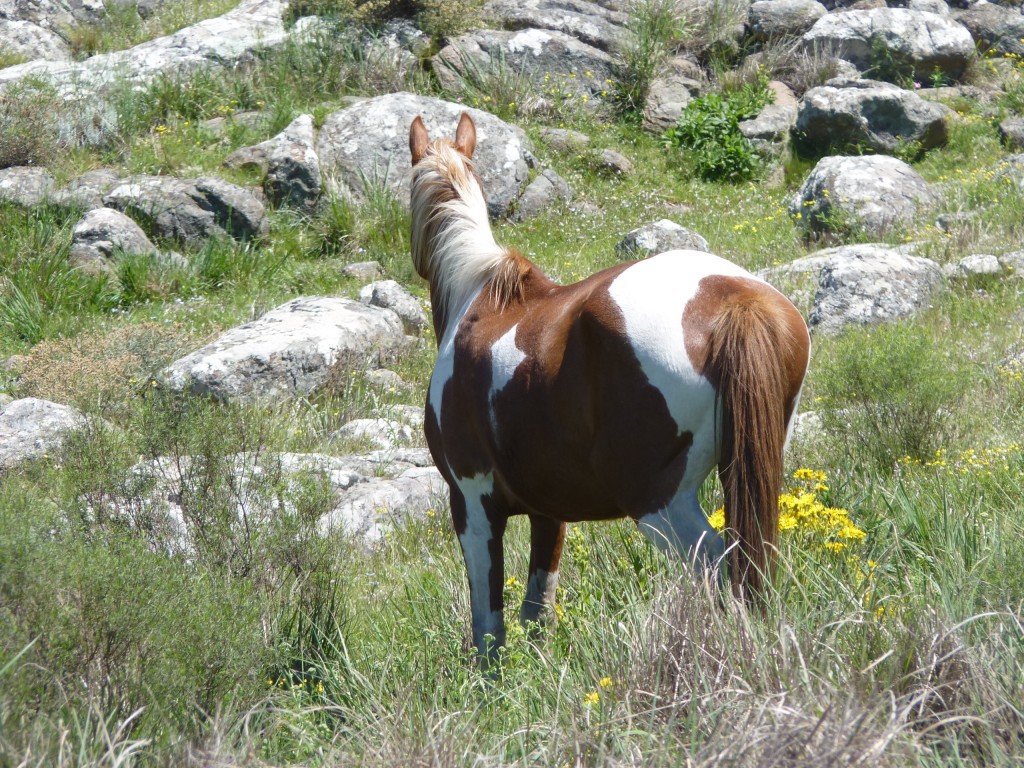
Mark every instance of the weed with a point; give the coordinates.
(655, 28)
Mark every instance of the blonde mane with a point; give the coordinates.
(452, 244)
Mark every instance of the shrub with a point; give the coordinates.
(27, 136)
(654, 29)
(709, 130)
(890, 392)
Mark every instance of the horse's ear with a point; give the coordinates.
(418, 140)
(465, 136)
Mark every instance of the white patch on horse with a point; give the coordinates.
(540, 594)
(476, 550)
(652, 295)
(505, 358)
(683, 528)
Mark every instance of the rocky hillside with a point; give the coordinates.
(210, 324)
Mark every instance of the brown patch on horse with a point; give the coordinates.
(752, 345)
(612, 447)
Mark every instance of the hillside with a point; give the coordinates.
(222, 539)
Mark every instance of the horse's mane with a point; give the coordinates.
(452, 243)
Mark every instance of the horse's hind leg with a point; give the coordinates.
(480, 521)
(546, 538)
(682, 528)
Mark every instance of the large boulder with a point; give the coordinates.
(191, 210)
(848, 114)
(676, 85)
(870, 284)
(874, 193)
(658, 237)
(545, 191)
(101, 234)
(588, 22)
(368, 144)
(995, 28)
(290, 351)
(558, 64)
(289, 163)
(884, 39)
(30, 41)
(778, 19)
(26, 186)
(30, 427)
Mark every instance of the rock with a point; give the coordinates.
(769, 131)
(929, 6)
(588, 22)
(214, 43)
(542, 193)
(30, 41)
(101, 234)
(557, 64)
(994, 28)
(191, 210)
(289, 163)
(382, 433)
(615, 162)
(368, 143)
(363, 270)
(869, 284)
(848, 114)
(387, 381)
(388, 294)
(1011, 132)
(292, 350)
(370, 509)
(30, 427)
(778, 19)
(676, 86)
(1013, 263)
(894, 37)
(1010, 171)
(25, 186)
(874, 193)
(87, 191)
(658, 237)
(975, 265)
(564, 140)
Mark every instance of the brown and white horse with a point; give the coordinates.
(612, 397)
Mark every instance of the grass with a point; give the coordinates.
(250, 643)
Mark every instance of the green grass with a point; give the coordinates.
(266, 643)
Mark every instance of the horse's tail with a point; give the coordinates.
(757, 358)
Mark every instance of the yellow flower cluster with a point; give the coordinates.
(801, 512)
(972, 461)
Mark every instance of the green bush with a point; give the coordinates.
(709, 131)
(891, 392)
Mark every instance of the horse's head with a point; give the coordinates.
(445, 191)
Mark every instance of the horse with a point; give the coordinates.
(608, 398)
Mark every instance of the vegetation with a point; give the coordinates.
(894, 634)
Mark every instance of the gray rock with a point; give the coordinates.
(370, 509)
(101, 234)
(191, 210)
(87, 191)
(387, 381)
(975, 265)
(219, 42)
(846, 114)
(542, 193)
(588, 22)
(615, 162)
(919, 40)
(290, 351)
(1013, 263)
(874, 193)
(564, 140)
(289, 163)
(769, 132)
(31, 41)
(869, 284)
(556, 63)
(777, 19)
(658, 237)
(382, 433)
(1011, 131)
(929, 6)
(368, 144)
(1010, 170)
(363, 270)
(994, 28)
(676, 86)
(389, 294)
(53, 14)
(30, 427)
(25, 186)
